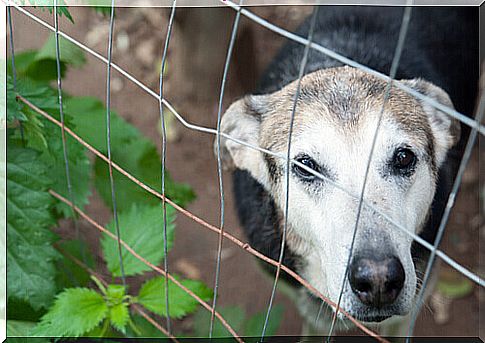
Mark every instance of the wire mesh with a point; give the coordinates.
(392, 74)
(245, 246)
(476, 126)
(301, 73)
(461, 269)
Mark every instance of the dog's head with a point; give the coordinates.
(336, 117)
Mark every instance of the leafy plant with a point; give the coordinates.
(49, 294)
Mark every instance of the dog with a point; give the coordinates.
(416, 155)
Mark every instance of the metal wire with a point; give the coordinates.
(301, 73)
(449, 205)
(219, 166)
(245, 246)
(63, 133)
(464, 271)
(14, 69)
(294, 37)
(108, 139)
(163, 159)
(392, 74)
(147, 263)
(477, 128)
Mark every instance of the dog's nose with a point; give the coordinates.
(376, 281)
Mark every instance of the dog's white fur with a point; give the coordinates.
(322, 218)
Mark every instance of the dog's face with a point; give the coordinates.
(334, 126)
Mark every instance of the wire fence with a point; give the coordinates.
(474, 124)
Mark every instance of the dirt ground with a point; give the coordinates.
(139, 35)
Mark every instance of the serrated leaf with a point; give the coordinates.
(69, 53)
(70, 274)
(119, 316)
(142, 229)
(130, 149)
(28, 236)
(75, 311)
(43, 4)
(152, 296)
(234, 315)
(254, 325)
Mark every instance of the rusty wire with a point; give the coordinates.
(231, 238)
(449, 111)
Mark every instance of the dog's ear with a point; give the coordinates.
(242, 121)
(446, 129)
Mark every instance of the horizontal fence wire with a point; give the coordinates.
(301, 73)
(449, 205)
(100, 277)
(392, 74)
(146, 262)
(480, 128)
(245, 246)
(301, 40)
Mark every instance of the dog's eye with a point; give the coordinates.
(404, 159)
(310, 163)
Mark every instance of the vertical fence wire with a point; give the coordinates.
(164, 157)
(14, 69)
(394, 67)
(449, 206)
(108, 140)
(63, 131)
(301, 73)
(219, 166)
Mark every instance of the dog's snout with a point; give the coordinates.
(376, 281)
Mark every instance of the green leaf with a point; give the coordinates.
(152, 296)
(70, 274)
(130, 149)
(30, 255)
(119, 316)
(254, 325)
(14, 109)
(79, 168)
(75, 311)
(19, 328)
(22, 61)
(43, 4)
(68, 52)
(234, 315)
(26, 65)
(45, 70)
(142, 229)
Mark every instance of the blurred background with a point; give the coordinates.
(192, 83)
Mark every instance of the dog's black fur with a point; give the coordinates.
(441, 47)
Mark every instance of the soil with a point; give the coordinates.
(139, 36)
